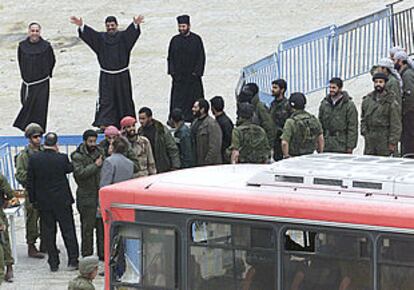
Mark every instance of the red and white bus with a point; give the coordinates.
(323, 222)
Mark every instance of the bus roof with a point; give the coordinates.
(325, 189)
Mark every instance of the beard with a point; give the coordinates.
(197, 114)
(183, 31)
(379, 89)
(91, 148)
(131, 133)
(397, 66)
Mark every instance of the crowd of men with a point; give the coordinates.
(196, 137)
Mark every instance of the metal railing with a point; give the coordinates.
(10, 146)
(358, 45)
(403, 29)
(347, 51)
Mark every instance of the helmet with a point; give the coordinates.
(31, 129)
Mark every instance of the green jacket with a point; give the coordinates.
(130, 154)
(280, 111)
(339, 123)
(207, 139)
(22, 162)
(81, 283)
(407, 76)
(165, 151)
(182, 136)
(87, 175)
(6, 193)
(251, 142)
(301, 131)
(393, 85)
(264, 119)
(380, 116)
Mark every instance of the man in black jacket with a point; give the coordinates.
(226, 125)
(50, 192)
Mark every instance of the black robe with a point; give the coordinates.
(36, 62)
(186, 61)
(115, 91)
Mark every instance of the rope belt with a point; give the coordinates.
(27, 85)
(114, 72)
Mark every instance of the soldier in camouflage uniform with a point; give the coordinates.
(407, 75)
(380, 119)
(394, 83)
(302, 133)
(111, 133)
(249, 142)
(280, 111)
(250, 94)
(87, 162)
(141, 146)
(6, 257)
(339, 119)
(182, 137)
(34, 133)
(88, 269)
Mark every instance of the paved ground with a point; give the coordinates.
(34, 274)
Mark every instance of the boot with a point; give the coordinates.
(8, 277)
(33, 252)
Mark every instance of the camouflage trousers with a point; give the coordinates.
(32, 223)
(7, 252)
(90, 223)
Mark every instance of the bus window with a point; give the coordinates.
(396, 263)
(231, 257)
(326, 260)
(144, 257)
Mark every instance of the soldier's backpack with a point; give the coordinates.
(255, 146)
(308, 130)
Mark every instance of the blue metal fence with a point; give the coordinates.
(308, 62)
(10, 146)
(304, 61)
(403, 29)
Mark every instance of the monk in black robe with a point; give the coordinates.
(186, 61)
(113, 49)
(36, 62)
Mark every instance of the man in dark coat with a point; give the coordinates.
(206, 136)
(87, 163)
(226, 125)
(50, 192)
(186, 61)
(113, 49)
(163, 146)
(407, 75)
(36, 63)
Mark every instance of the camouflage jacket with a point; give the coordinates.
(251, 142)
(301, 131)
(339, 123)
(141, 147)
(380, 115)
(81, 283)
